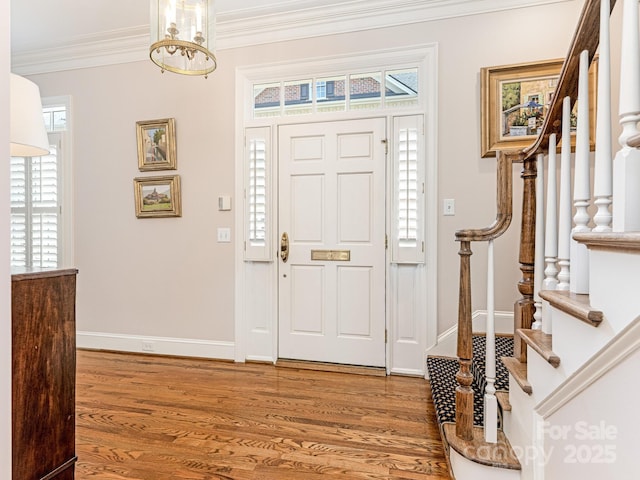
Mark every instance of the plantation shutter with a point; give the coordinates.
(35, 208)
(409, 195)
(257, 193)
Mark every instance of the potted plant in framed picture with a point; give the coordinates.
(519, 126)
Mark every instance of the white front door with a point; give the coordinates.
(332, 209)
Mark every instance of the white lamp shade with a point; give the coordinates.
(28, 135)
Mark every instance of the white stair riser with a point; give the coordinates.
(615, 286)
(543, 377)
(467, 470)
(575, 341)
(518, 426)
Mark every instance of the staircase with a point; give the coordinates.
(558, 399)
(442, 371)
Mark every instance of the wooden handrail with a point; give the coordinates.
(586, 37)
(504, 201)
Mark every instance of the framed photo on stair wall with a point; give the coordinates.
(515, 99)
(156, 144)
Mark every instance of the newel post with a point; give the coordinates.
(464, 392)
(524, 308)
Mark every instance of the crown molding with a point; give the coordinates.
(106, 48)
(261, 25)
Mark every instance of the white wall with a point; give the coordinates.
(5, 279)
(595, 435)
(169, 277)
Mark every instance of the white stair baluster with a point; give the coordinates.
(490, 400)
(538, 266)
(564, 212)
(579, 254)
(551, 230)
(626, 166)
(602, 183)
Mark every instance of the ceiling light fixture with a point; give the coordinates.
(183, 36)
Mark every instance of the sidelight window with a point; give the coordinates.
(409, 189)
(257, 192)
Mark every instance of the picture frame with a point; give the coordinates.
(518, 95)
(158, 196)
(156, 144)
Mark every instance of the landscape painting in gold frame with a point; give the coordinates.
(156, 144)
(157, 196)
(516, 98)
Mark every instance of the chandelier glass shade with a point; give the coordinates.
(183, 36)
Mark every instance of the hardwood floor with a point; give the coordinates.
(156, 418)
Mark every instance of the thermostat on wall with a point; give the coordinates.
(224, 202)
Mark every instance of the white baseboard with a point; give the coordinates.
(448, 341)
(446, 345)
(183, 347)
(503, 321)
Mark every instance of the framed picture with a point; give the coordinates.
(157, 196)
(515, 100)
(156, 144)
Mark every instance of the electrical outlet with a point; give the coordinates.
(224, 235)
(148, 346)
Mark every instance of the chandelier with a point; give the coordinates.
(183, 36)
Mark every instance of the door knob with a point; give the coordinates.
(284, 247)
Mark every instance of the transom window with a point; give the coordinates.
(378, 89)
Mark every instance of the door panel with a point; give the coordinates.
(307, 300)
(355, 204)
(307, 224)
(332, 206)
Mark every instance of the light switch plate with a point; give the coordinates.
(448, 206)
(224, 235)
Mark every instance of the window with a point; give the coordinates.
(356, 91)
(401, 87)
(36, 199)
(297, 100)
(257, 194)
(409, 185)
(330, 94)
(321, 90)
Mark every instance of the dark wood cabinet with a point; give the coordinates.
(44, 374)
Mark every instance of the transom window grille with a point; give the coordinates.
(366, 90)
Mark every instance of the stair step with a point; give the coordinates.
(519, 371)
(541, 343)
(499, 454)
(442, 375)
(629, 242)
(503, 400)
(504, 348)
(576, 305)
